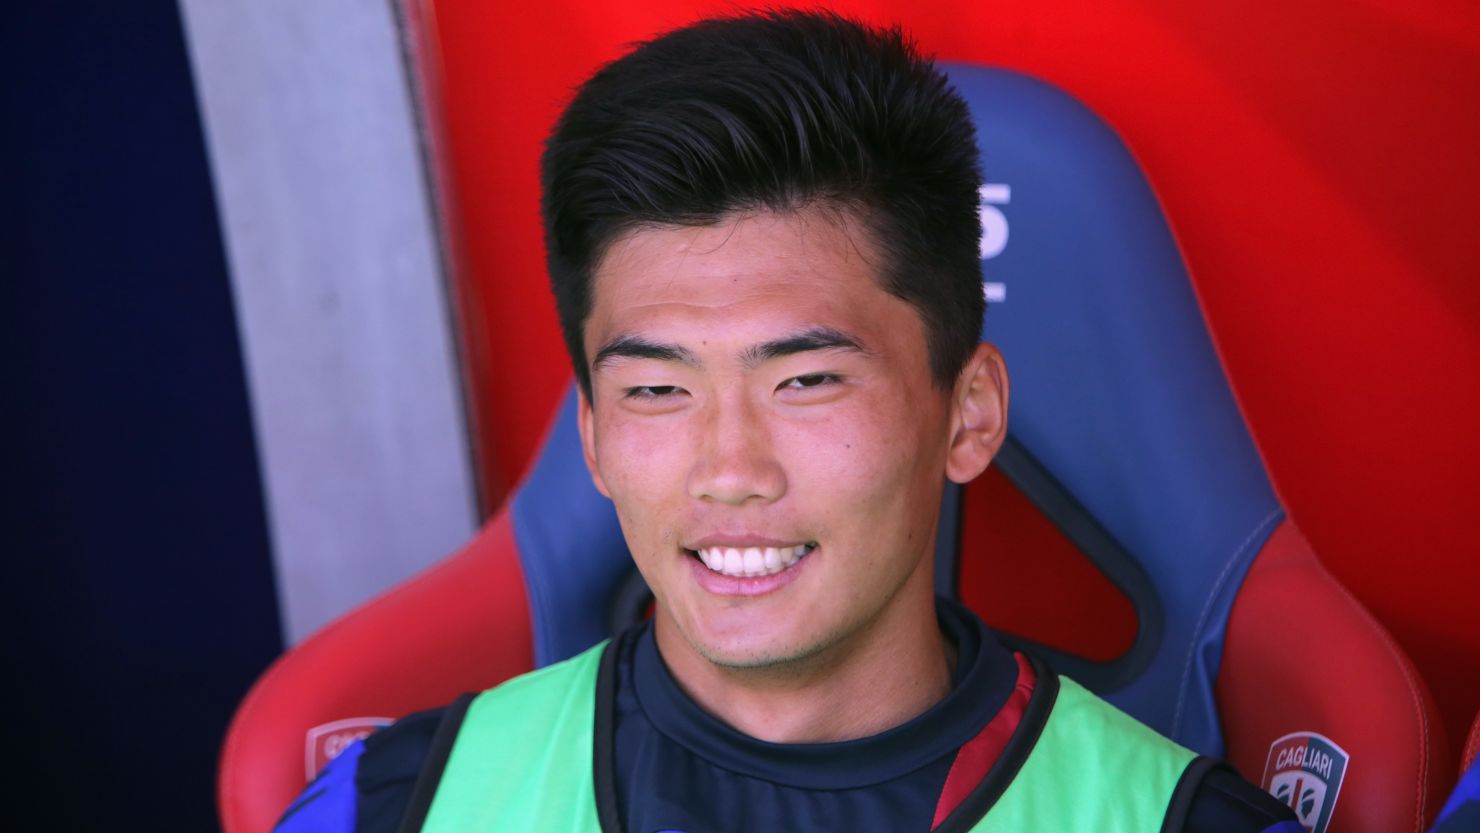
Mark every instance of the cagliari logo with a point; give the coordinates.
(325, 741)
(1305, 771)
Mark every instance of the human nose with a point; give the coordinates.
(736, 462)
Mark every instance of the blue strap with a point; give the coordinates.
(1461, 813)
(328, 804)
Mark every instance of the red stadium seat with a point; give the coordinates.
(1125, 435)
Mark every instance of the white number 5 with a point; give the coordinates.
(994, 233)
(994, 222)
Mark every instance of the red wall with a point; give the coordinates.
(1319, 162)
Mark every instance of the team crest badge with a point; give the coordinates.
(1305, 771)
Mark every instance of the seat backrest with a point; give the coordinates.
(1124, 432)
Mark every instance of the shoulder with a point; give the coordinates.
(375, 782)
(1213, 798)
(522, 709)
(368, 787)
(1081, 716)
(1206, 795)
(552, 678)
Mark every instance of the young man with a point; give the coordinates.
(762, 236)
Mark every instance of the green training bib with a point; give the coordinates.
(523, 761)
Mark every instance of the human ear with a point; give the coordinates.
(585, 421)
(978, 414)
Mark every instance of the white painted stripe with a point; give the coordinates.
(339, 293)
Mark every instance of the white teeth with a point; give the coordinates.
(754, 562)
(772, 559)
(751, 561)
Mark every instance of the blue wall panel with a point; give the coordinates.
(138, 584)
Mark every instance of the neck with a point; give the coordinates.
(878, 677)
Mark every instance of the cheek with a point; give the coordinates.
(634, 453)
(874, 453)
(875, 474)
(641, 464)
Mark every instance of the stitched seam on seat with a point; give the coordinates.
(1471, 751)
(1207, 610)
(1421, 800)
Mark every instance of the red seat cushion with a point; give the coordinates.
(1302, 656)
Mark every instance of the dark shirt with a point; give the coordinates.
(679, 768)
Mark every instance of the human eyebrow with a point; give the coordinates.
(637, 347)
(816, 338)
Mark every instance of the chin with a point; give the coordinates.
(754, 651)
(751, 657)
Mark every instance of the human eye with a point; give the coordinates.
(812, 389)
(809, 381)
(652, 393)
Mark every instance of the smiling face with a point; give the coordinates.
(764, 419)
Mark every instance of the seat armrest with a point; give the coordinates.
(1303, 656)
(463, 625)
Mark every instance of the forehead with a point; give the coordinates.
(800, 268)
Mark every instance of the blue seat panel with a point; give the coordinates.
(1116, 387)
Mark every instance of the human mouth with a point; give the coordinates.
(751, 562)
